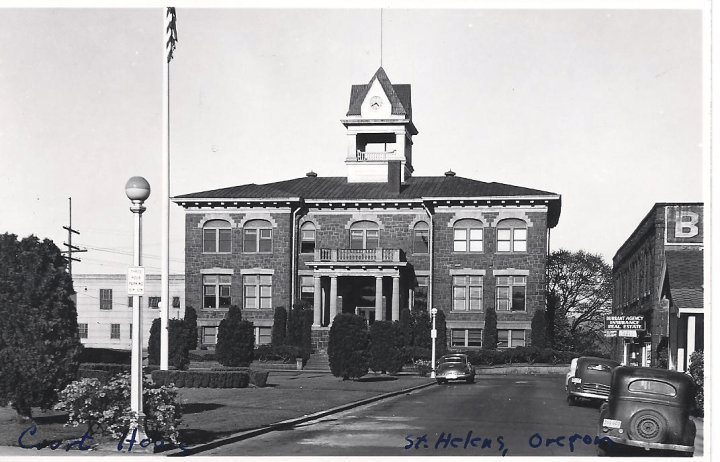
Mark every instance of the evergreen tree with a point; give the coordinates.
(192, 328)
(39, 339)
(441, 345)
(538, 335)
(236, 340)
(422, 324)
(348, 346)
(178, 351)
(385, 356)
(279, 328)
(490, 334)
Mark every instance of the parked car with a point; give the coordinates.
(590, 379)
(454, 367)
(648, 408)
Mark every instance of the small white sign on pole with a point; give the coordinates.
(136, 280)
(433, 333)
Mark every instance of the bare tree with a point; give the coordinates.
(579, 291)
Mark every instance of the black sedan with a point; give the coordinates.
(454, 367)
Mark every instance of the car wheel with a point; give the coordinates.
(440, 381)
(648, 426)
(471, 379)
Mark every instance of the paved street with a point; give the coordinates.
(510, 415)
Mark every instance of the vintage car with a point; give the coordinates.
(648, 411)
(590, 379)
(454, 367)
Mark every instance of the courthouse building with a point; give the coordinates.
(373, 243)
(658, 277)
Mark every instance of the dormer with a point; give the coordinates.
(380, 129)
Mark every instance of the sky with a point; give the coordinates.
(602, 106)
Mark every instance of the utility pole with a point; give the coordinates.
(68, 244)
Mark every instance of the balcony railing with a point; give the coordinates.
(362, 156)
(357, 255)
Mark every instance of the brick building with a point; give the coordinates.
(373, 243)
(104, 308)
(658, 276)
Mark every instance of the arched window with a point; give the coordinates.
(421, 237)
(307, 237)
(364, 235)
(257, 236)
(217, 236)
(468, 236)
(512, 235)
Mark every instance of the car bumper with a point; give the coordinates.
(454, 376)
(645, 445)
(588, 395)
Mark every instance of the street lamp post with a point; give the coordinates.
(433, 336)
(138, 190)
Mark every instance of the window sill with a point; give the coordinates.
(217, 253)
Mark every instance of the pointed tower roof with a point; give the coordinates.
(399, 95)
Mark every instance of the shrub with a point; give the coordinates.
(539, 328)
(441, 341)
(105, 408)
(299, 328)
(105, 355)
(490, 334)
(413, 353)
(190, 319)
(697, 372)
(205, 379)
(421, 325)
(178, 341)
(236, 340)
(384, 355)
(279, 328)
(348, 346)
(284, 353)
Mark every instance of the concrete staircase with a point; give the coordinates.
(318, 362)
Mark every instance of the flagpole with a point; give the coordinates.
(168, 45)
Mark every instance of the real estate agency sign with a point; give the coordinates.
(624, 326)
(684, 224)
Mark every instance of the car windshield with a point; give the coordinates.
(452, 359)
(599, 367)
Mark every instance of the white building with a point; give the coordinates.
(104, 308)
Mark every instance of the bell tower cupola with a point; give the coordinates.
(380, 130)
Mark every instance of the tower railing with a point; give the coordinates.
(358, 255)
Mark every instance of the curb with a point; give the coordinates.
(287, 423)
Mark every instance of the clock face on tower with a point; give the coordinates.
(376, 102)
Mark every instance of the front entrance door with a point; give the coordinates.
(366, 312)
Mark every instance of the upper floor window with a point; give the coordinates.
(216, 291)
(257, 291)
(467, 292)
(307, 237)
(106, 299)
(468, 236)
(421, 237)
(257, 236)
(307, 288)
(511, 293)
(512, 235)
(217, 236)
(364, 235)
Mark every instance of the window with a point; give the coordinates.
(209, 335)
(364, 235)
(307, 289)
(130, 331)
(257, 237)
(655, 387)
(307, 237)
(217, 236)
(106, 299)
(467, 293)
(130, 302)
(114, 331)
(176, 302)
(512, 236)
(153, 302)
(466, 337)
(510, 338)
(83, 330)
(420, 292)
(421, 238)
(263, 335)
(468, 236)
(511, 293)
(216, 291)
(257, 290)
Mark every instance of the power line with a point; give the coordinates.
(68, 244)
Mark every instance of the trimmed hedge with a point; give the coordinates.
(202, 379)
(113, 368)
(528, 354)
(257, 378)
(105, 355)
(283, 353)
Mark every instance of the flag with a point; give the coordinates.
(170, 32)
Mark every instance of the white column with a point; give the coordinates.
(333, 297)
(317, 306)
(379, 312)
(396, 298)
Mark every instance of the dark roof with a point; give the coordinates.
(338, 188)
(399, 95)
(685, 277)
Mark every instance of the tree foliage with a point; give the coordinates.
(348, 346)
(490, 333)
(279, 328)
(441, 341)
(579, 291)
(190, 319)
(236, 340)
(385, 356)
(39, 341)
(179, 333)
(299, 328)
(539, 330)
